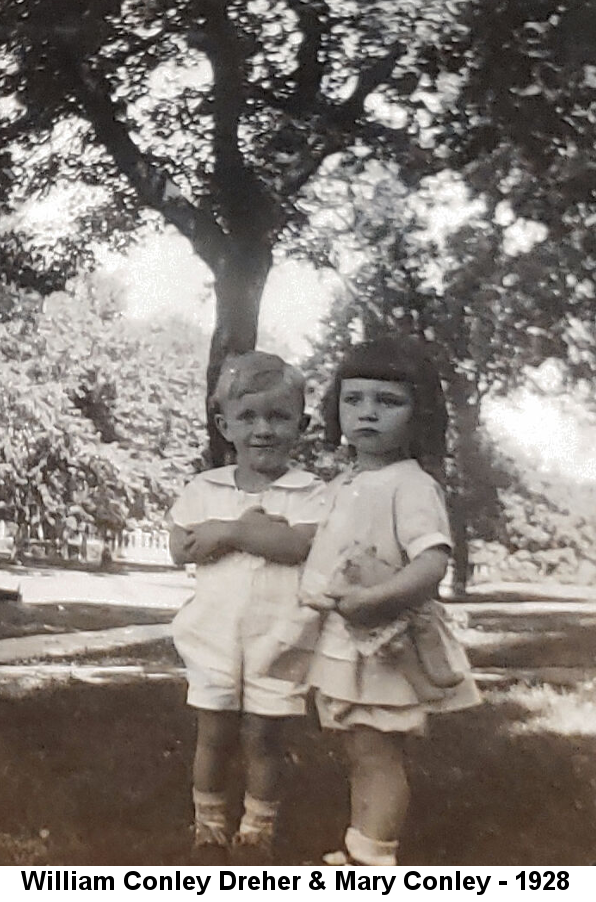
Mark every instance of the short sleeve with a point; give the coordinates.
(311, 506)
(420, 512)
(189, 508)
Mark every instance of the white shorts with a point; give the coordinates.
(223, 661)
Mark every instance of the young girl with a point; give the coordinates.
(385, 658)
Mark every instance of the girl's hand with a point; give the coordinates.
(353, 603)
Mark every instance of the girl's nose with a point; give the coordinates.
(368, 410)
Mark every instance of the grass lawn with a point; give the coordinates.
(101, 775)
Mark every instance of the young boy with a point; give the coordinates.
(248, 527)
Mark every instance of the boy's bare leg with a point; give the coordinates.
(216, 739)
(379, 789)
(262, 741)
(217, 735)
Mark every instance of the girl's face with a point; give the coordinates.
(376, 418)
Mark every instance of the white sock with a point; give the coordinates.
(259, 818)
(210, 817)
(365, 850)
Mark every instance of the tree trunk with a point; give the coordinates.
(465, 413)
(459, 529)
(239, 282)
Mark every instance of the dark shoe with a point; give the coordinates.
(210, 848)
(252, 849)
(210, 855)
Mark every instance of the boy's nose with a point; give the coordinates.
(262, 426)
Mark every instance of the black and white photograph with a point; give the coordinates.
(298, 431)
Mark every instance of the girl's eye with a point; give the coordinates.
(279, 415)
(392, 401)
(350, 399)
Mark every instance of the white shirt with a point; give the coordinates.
(239, 580)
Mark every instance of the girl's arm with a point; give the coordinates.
(410, 587)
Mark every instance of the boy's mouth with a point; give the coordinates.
(366, 430)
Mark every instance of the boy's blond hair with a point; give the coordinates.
(253, 372)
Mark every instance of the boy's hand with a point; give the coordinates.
(207, 542)
(256, 527)
(258, 517)
(271, 536)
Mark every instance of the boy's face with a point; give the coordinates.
(263, 427)
(376, 418)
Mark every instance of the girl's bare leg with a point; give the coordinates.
(378, 783)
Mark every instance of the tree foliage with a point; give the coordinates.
(247, 122)
(100, 416)
(513, 284)
(213, 113)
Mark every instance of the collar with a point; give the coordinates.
(294, 478)
(352, 472)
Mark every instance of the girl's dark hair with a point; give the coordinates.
(397, 358)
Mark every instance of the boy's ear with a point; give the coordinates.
(220, 422)
(304, 422)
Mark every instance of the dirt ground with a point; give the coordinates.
(101, 775)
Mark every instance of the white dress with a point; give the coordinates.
(398, 512)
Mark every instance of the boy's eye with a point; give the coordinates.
(350, 399)
(246, 416)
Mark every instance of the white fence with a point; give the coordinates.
(141, 546)
(131, 546)
(8, 548)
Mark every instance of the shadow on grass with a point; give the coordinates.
(18, 619)
(575, 647)
(101, 776)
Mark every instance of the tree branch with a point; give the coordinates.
(220, 43)
(33, 120)
(134, 45)
(152, 184)
(329, 123)
(313, 18)
(370, 79)
(249, 210)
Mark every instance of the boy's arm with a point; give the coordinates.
(255, 532)
(410, 587)
(201, 543)
(272, 537)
